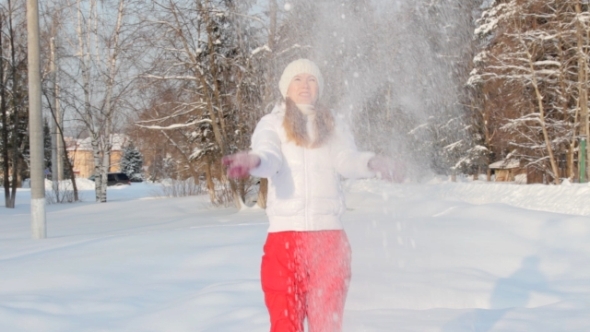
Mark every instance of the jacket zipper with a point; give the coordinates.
(305, 177)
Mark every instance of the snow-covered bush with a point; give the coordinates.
(179, 188)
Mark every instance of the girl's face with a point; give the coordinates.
(304, 89)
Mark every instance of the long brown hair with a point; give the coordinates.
(295, 124)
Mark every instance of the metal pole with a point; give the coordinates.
(35, 123)
(582, 159)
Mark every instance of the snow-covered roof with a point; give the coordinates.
(505, 164)
(118, 142)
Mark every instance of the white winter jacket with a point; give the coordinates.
(304, 189)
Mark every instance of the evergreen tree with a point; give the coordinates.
(132, 162)
(46, 146)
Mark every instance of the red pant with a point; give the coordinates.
(306, 274)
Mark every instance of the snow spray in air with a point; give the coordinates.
(395, 70)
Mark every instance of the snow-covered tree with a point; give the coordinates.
(530, 79)
(132, 162)
(207, 95)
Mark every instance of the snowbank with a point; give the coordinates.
(448, 257)
(565, 198)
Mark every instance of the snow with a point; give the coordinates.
(480, 57)
(505, 164)
(260, 49)
(480, 148)
(179, 125)
(437, 256)
(492, 16)
(474, 78)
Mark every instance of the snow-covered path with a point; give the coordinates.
(425, 258)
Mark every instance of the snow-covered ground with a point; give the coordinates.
(470, 256)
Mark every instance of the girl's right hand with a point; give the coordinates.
(387, 169)
(240, 164)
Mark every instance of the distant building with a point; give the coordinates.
(508, 170)
(81, 156)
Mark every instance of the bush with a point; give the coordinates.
(179, 188)
(65, 194)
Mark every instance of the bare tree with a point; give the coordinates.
(52, 29)
(205, 55)
(99, 75)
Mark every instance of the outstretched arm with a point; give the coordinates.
(240, 164)
(387, 169)
(348, 161)
(351, 163)
(265, 158)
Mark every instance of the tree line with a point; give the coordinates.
(448, 86)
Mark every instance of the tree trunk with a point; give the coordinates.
(236, 187)
(539, 97)
(570, 162)
(3, 108)
(62, 150)
(552, 161)
(564, 107)
(106, 161)
(214, 72)
(15, 113)
(55, 150)
(100, 176)
(69, 165)
(209, 178)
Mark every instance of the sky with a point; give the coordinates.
(436, 256)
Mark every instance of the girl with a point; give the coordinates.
(303, 150)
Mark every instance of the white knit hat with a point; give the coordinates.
(297, 67)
